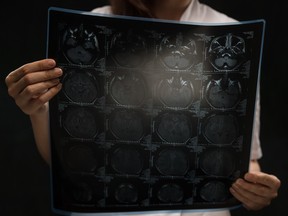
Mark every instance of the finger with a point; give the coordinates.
(39, 77)
(248, 199)
(242, 199)
(48, 95)
(33, 78)
(35, 90)
(32, 105)
(252, 188)
(40, 65)
(270, 181)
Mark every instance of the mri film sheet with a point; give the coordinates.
(152, 115)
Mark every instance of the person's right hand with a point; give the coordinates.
(34, 84)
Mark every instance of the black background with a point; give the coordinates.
(24, 176)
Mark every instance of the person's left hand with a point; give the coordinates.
(256, 190)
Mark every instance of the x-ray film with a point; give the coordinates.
(153, 114)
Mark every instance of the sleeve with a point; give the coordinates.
(256, 151)
(103, 10)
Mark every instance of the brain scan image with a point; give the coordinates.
(170, 193)
(82, 192)
(178, 52)
(172, 162)
(218, 162)
(80, 86)
(80, 123)
(214, 191)
(176, 91)
(127, 161)
(223, 93)
(80, 158)
(128, 49)
(80, 45)
(126, 193)
(227, 52)
(128, 89)
(174, 127)
(221, 129)
(126, 125)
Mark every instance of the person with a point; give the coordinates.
(34, 84)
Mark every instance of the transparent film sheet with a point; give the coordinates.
(153, 114)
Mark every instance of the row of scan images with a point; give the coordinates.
(89, 45)
(174, 127)
(162, 162)
(88, 192)
(222, 92)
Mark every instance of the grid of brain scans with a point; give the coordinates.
(153, 115)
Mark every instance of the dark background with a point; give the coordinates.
(24, 178)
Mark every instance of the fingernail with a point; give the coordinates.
(58, 71)
(51, 62)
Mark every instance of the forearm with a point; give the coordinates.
(41, 130)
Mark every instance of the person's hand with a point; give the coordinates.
(256, 190)
(34, 84)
